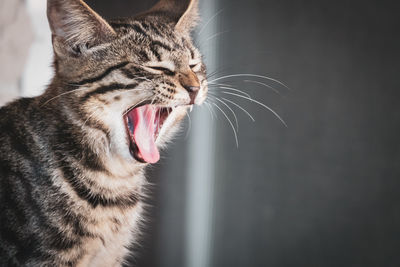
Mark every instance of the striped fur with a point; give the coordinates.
(71, 194)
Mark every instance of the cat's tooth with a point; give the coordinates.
(191, 108)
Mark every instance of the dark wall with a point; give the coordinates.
(325, 190)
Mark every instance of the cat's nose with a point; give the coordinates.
(192, 90)
(191, 83)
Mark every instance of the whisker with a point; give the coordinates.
(230, 122)
(234, 114)
(62, 94)
(215, 35)
(216, 72)
(264, 84)
(72, 84)
(213, 73)
(250, 75)
(89, 117)
(206, 24)
(235, 90)
(221, 84)
(190, 125)
(259, 103)
(81, 89)
(237, 105)
(126, 112)
(208, 105)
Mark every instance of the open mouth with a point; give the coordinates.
(143, 125)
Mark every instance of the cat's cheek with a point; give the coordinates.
(180, 114)
(171, 126)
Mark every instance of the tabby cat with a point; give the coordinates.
(72, 160)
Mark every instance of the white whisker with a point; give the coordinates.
(237, 105)
(65, 93)
(206, 24)
(215, 35)
(91, 115)
(230, 122)
(189, 127)
(208, 105)
(146, 99)
(259, 103)
(221, 84)
(85, 88)
(250, 75)
(264, 84)
(214, 73)
(235, 90)
(234, 114)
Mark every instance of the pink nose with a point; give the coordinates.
(192, 90)
(191, 83)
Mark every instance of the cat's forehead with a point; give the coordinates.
(156, 37)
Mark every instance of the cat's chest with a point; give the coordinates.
(112, 235)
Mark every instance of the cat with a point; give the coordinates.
(72, 160)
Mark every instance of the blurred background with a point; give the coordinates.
(323, 191)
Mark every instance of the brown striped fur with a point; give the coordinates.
(70, 191)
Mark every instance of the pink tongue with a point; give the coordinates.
(144, 130)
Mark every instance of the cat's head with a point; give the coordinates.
(133, 78)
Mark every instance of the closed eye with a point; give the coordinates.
(195, 67)
(165, 67)
(164, 70)
(195, 64)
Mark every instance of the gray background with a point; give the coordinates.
(322, 192)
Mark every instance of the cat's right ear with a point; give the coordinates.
(184, 13)
(76, 28)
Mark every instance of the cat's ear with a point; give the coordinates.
(185, 13)
(76, 27)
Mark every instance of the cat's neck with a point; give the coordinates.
(81, 155)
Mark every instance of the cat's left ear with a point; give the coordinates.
(75, 26)
(185, 13)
